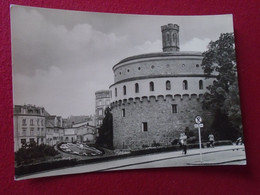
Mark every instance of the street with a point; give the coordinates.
(221, 155)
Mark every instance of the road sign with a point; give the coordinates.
(198, 125)
(198, 119)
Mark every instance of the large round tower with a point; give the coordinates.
(155, 96)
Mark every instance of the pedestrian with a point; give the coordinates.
(183, 139)
(239, 141)
(211, 140)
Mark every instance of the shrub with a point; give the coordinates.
(29, 154)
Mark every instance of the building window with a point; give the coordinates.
(31, 121)
(31, 140)
(136, 88)
(123, 112)
(38, 122)
(151, 86)
(185, 85)
(100, 102)
(200, 84)
(174, 108)
(31, 131)
(124, 90)
(24, 122)
(168, 85)
(100, 112)
(115, 92)
(24, 132)
(144, 127)
(107, 102)
(42, 122)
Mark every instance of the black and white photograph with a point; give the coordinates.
(95, 92)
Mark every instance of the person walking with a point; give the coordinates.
(183, 140)
(211, 140)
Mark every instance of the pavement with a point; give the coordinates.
(210, 156)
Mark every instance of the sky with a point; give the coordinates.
(60, 58)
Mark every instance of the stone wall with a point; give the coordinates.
(163, 125)
(159, 64)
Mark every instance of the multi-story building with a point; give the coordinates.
(29, 125)
(155, 96)
(54, 129)
(103, 98)
(86, 133)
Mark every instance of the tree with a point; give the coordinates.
(105, 138)
(223, 95)
(34, 152)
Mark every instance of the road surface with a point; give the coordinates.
(222, 155)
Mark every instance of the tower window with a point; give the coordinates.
(115, 92)
(200, 84)
(185, 85)
(151, 86)
(123, 112)
(136, 88)
(124, 90)
(168, 36)
(144, 127)
(174, 108)
(168, 85)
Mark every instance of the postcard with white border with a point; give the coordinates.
(106, 92)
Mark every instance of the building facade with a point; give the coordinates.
(54, 129)
(103, 98)
(155, 96)
(86, 133)
(29, 125)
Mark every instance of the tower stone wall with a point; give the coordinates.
(156, 96)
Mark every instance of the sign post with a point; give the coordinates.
(199, 125)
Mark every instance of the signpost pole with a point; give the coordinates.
(200, 145)
(198, 125)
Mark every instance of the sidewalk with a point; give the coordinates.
(141, 160)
